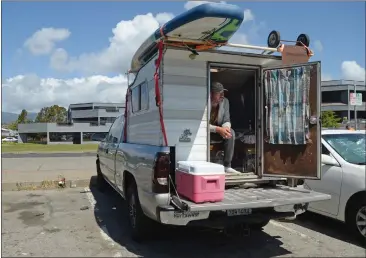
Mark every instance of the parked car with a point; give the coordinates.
(343, 177)
(10, 139)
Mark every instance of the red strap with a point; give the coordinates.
(157, 90)
(125, 126)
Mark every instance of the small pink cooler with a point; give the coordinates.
(200, 181)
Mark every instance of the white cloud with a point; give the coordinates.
(351, 70)
(248, 15)
(318, 45)
(127, 37)
(164, 17)
(192, 4)
(326, 77)
(43, 41)
(32, 93)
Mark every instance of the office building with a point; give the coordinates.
(336, 97)
(96, 113)
(86, 122)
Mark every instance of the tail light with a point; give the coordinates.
(161, 173)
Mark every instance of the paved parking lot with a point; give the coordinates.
(72, 222)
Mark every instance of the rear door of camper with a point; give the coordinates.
(290, 129)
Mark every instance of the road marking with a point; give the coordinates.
(103, 229)
(276, 224)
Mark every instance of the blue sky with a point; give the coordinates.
(338, 26)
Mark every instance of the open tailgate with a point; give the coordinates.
(260, 198)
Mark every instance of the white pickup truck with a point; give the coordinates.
(138, 157)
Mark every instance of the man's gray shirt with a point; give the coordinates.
(223, 116)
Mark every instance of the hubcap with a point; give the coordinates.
(272, 39)
(132, 208)
(361, 221)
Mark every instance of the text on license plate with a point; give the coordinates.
(238, 212)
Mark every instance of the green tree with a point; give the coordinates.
(22, 119)
(53, 114)
(13, 126)
(330, 119)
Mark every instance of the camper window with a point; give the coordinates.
(140, 97)
(241, 94)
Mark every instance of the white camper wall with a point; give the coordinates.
(144, 126)
(185, 95)
(185, 106)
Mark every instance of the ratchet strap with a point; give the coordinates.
(157, 90)
(126, 114)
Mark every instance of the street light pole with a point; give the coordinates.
(354, 92)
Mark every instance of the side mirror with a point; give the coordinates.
(330, 161)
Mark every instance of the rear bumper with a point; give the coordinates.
(274, 203)
(217, 218)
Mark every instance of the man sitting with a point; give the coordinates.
(220, 126)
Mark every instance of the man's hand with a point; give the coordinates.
(225, 132)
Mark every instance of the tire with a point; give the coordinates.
(274, 39)
(354, 213)
(140, 225)
(101, 184)
(260, 225)
(303, 38)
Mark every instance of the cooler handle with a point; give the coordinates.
(210, 180)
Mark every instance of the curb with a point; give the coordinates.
(46, 185)
(52, 152)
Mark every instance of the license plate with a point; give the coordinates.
(238, 212)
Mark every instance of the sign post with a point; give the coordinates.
(355, 99)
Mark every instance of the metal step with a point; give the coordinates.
(238, 179)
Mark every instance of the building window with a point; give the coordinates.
(94, 137)
(140, 97)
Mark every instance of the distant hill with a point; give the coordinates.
(7, 117)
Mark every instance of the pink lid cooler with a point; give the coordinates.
(200, 181)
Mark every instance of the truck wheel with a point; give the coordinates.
(260, 225)
(140, 225)
(102, 185)
(356, 218)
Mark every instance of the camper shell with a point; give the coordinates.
(184, 89)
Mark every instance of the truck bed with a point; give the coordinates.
(240, 198)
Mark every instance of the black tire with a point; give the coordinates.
(274, 39)
(260, 225)
(303, 38)
(101, 184)
(353, 215)
(140, 225)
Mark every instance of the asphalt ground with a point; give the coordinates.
(48, 155)
(82, 222)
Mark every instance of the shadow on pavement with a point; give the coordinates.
(327, 226)
(111, 214)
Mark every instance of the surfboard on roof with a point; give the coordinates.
(216, 22)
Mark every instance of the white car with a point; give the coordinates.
(343, 177)
(10, 139)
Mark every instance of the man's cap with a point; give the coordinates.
(217, 87)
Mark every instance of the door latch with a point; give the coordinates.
(313, 120)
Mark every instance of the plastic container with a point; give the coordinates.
(200, 181)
